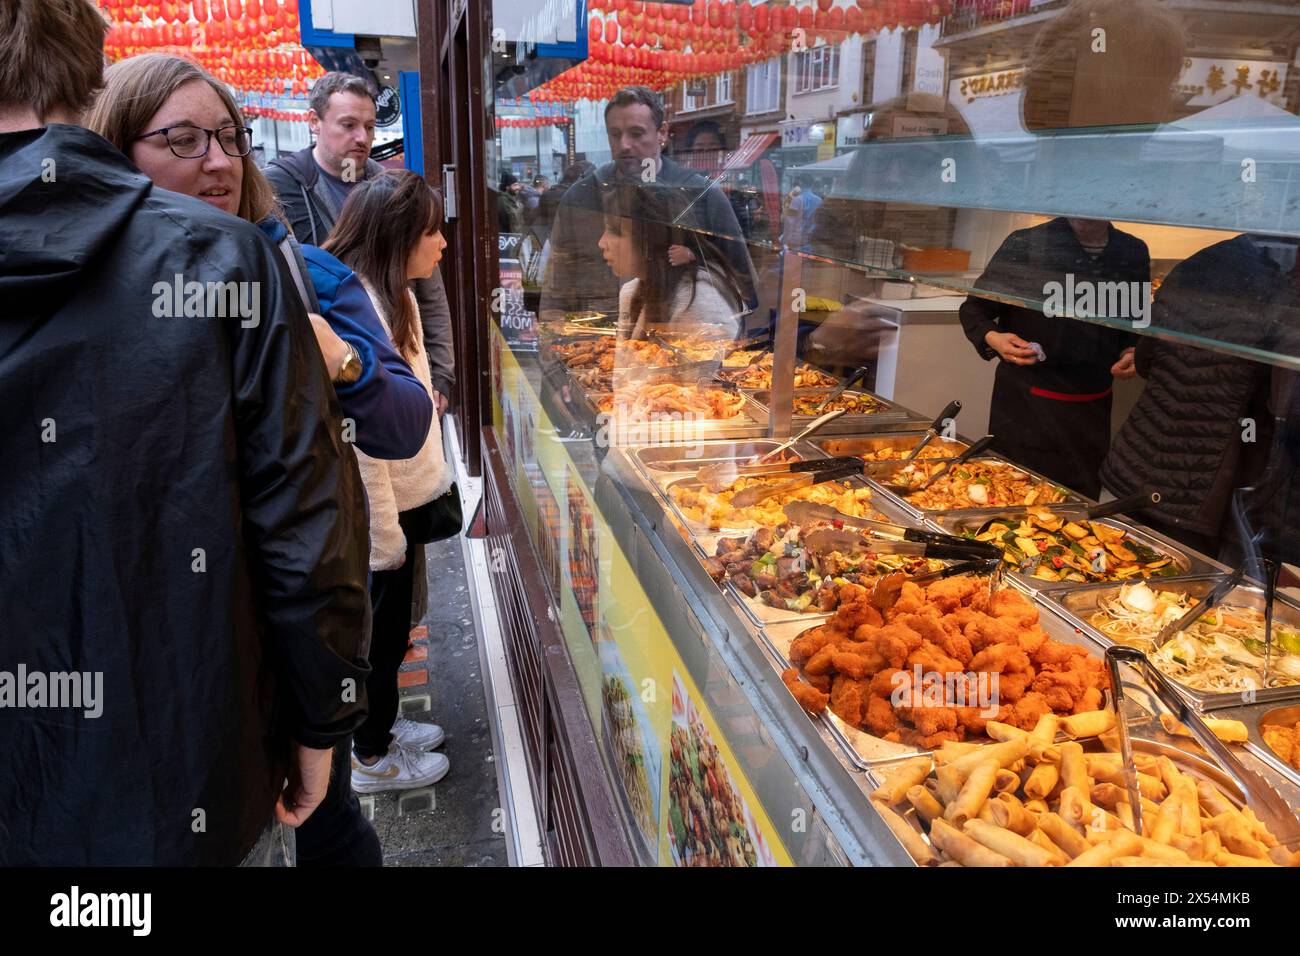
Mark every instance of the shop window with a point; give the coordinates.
(817, 69)
(763, 86)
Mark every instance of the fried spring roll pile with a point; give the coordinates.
(1028, 800)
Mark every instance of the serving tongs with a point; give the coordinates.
(1271, 571)
(854, 379)
(1211, 599)
(1142, 499)
(949, 412)
(806, 512)
(975, 449)
(749, 497)
(941, 546)
(1266, 803)
(887, 589)
(721, 475)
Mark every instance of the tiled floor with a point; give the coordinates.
(457, 822)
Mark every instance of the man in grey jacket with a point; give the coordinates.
(313, 183)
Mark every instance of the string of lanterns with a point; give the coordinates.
(632, 42)
(253, 46)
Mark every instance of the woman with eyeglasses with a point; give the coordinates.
(183, 130)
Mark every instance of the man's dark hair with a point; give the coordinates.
(632, 95)
(51, 55)
(337, 82)
(705, 126)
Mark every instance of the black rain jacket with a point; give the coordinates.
(178, 513)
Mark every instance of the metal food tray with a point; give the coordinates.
(865, 750)
(1190, 563)
(675, 460)
(902, 442)
(669, 431)
(697, 529)
(1078, 604)
(932, 514)
(1151, 741)
(891, 418)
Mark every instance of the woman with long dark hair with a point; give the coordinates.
(700, 295)
(389, 232)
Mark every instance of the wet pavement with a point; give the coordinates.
(458, 821)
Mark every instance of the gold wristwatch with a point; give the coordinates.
(350, 370)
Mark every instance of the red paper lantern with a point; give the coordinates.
(854, 19)
(235, 8)
(805, 17)
(218, 10)
(761, 19)
(699, 15)
(254, 8)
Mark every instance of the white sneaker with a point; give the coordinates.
(399, 769)
(414, 735)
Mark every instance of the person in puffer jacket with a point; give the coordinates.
(1202, 428)
(389, 232)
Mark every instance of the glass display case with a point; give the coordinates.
(1041, 259)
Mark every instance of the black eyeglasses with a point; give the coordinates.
(186, 143)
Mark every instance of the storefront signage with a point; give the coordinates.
(388, 107)
(849, 129)
(972, 88)
(805, 134)
(1211, 80)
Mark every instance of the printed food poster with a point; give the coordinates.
(635, 750)
(583, 569)
(710, 822)
(549, 537)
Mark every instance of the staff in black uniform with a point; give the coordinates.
(1051, 404)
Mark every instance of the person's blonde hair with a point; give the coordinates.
(137, 88)
(51, 55)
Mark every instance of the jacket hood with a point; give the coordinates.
(65, 195)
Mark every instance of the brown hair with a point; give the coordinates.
(337, 82)
(377, 230)
(137, 88)
(52, 55)
(1104, 63)
(632, 95)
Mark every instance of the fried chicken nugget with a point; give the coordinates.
(971, 720)
(809, 698)
(849, 699)
(1091, 700)
(1012, 605)
(930, 626)
(985, 630)
(880, 717)
(910, 600)
(1011, 687)
(810, 642)
(1001, 658)
(1026, 711)
(857, 666)
(888, 680)
(933, 660)
(951, 593)
(822, 662)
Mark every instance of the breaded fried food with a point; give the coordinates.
(960, 641)
(809, 698)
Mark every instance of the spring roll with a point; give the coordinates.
(1166, 824)
(1043, 735)
(1074, 774)
(1090, 723)
(962, 848)
(1124, 844)
(1229, 731)
(1009, 813)
(1037, 806)
(1000, 731)
(1006, 782)
(893, 788)
(927, 807)
(973, 794)
(1151, 849)
(1212, 800)
(921, 851)
(1041, 839)
(1261, 832)
(1224, 858)
(951, 750)
(1062, 834)
(1013, 846)
(948, 781)
(1108, 795)
(1042, 781)
(1004, 754)
(1236, 835)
